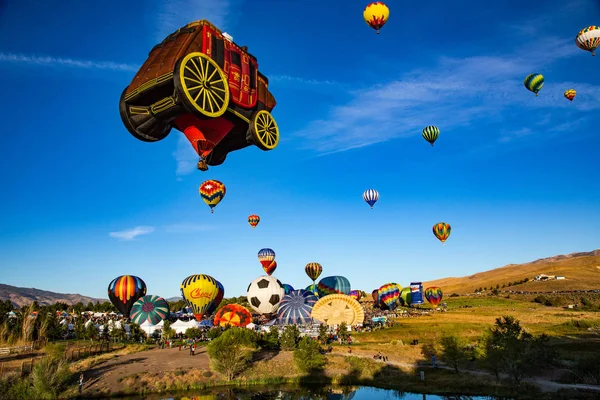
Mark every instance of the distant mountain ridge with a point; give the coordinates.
(24, 296)
(581, 271)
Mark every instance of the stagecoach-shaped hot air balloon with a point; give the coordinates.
(201, 83)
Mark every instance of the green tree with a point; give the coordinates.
(232, 351)
(270, 340)
(91, 332)
(308, 357)
(290, 337)
(193, 333)
(214, 333)
(343, 331)
(135, 332)
(323, 333)
(167, 331)
(453, 351)
(495, 292)
(517, 353)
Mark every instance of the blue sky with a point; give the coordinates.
(516, 176)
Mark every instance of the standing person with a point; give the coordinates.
(433, 361)
(80, 382)
(194, 349)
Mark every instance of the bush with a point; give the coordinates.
(214, 333)
(231, 352)
(587, 368)
(453, 351)
(457, 295)
(308, 357)
(191, 333)
(49, 378)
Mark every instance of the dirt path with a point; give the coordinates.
(544, 384)
(105, 376)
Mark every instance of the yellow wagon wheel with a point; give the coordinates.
(201, 85)
(264, 132)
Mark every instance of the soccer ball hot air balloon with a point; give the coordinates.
(264, 294)
(431, 133)
(233, 315)
(442, 230)
(212, 193)
(199, 292)
(433, 295)
(149, 308)
(124, 291)
(588, 39)
(371, 196)
(570, 94)
(534, 82)
(376, 15)
(253, 220)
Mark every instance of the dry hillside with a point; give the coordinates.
(25, 296)
(581, 272)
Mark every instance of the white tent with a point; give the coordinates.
(160, 324)
(250, 326)
(148, 327)
(179, 326)
(192, 323)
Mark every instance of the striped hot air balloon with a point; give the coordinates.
(389, 294)
(124, 291)
(355, 294)
(149, 308)
(431, 133)
(534, 82)
(371, 196)
(334, 284)
(295, 308)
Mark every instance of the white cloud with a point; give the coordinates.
(130, 234)
(187, 228)
(454, 92)
(65, 62)
(185, 156)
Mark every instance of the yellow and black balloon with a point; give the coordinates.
(376, 15)
(200, 292)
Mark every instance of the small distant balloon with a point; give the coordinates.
(376, 15)
(442, 230)
(431, 133)
(570, 94)
(253, 220)
(212, 193)
(371, 196)
(534, 82)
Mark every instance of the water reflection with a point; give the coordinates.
(308, 393)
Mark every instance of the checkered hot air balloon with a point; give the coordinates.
(149, 308)
(233, 315)
(295, 308)
(212, 193)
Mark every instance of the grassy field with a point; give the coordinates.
(582, 272)
(573, 331)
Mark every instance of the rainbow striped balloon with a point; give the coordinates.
(433, 295)
(124, 291)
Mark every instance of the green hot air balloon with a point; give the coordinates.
(534, 82)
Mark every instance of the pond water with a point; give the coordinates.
(303, 393)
